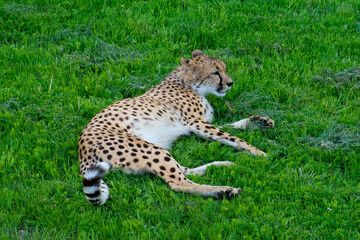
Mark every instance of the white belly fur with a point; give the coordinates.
(162, 134)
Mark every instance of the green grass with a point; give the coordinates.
(296, 61)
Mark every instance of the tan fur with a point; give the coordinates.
(121, 134)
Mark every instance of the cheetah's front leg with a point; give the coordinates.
(209, 132)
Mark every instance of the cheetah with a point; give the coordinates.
(133, 134)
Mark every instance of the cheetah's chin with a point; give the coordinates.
(220, 94)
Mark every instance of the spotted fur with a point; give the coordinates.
(133, 134)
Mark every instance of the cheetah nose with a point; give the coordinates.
(229, 84)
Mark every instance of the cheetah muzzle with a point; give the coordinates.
(133, 134)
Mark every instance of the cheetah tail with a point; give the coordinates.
(96, 190)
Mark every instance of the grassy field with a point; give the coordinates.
(295, 61)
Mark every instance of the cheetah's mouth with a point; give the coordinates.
(221, 90)
(220, 93)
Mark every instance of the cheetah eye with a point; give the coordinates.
(216, 73)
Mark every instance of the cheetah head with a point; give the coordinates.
(206, 75)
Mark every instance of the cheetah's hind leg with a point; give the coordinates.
(264, 122)
(179, 183)
(202, 169)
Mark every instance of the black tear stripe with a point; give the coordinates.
(221, 80)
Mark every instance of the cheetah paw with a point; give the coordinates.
(264, 122)
(230, 193)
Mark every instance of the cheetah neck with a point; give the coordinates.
(180, 76)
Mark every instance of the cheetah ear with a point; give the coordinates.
(196, 53)
(185, 61)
